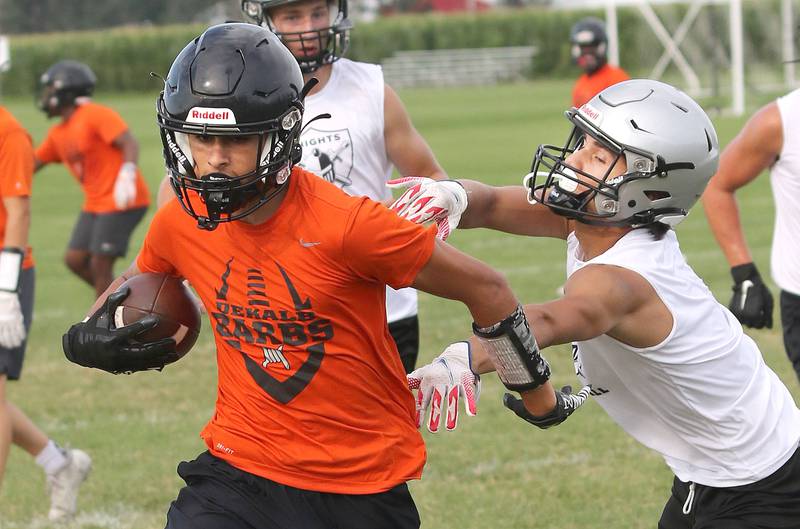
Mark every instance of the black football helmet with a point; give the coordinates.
(235, 79)
(589, 44)
(62, 84)
(331, 41)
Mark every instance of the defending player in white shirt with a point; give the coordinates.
(667, 362)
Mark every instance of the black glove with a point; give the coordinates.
(97, 343)
(566, 404)
(752, 301)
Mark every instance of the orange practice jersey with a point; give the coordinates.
(311, 390)
(84, 144)
(16, 169)
(588, 86)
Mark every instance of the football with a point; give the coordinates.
(168, 298)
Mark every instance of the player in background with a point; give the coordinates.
(666, 361)
(65, 469)
(314, 424)
(99, 150)
(368, 133)
(769, 140)
(589, 50)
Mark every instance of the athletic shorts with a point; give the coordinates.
(105, 233)
(771, 503)
(11, 359)
(219, 496)
(790, 321)
(406, 336)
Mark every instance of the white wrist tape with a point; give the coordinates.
(128, 169)
(10, 267)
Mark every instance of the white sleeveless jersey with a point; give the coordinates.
(349, 150)
(785, 178)
(703, 398)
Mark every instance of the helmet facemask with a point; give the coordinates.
(331, 42)
(219, 197)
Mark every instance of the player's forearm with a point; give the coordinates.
(127, 274)
(722, 212)
(507, 209)
(130, 151)
(539, 401)
(481, 203)
(18, 222)
(165, 193)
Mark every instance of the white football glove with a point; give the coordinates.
(440, 384)
(125, 185)
(12, 325)
(427, 200)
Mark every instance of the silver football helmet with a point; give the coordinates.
(667, 140)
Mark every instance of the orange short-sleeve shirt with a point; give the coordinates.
(16, 169)
(84, 144)
(311, 390)
(588, 86)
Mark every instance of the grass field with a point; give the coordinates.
(494, 472)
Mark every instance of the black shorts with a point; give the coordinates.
(11, 359)
(406, 336)
(105, 233)
(790, 321)
(219, 496)
(771, 503)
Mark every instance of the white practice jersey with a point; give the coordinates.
(349, 150)
(703, 398)
(785, 177)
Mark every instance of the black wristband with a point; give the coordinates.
(744, 272)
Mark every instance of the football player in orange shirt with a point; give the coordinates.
(65, 469)
(97, 147)
(314, 425)
(589, 49)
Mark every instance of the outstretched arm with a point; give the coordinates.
(471, 204)
(507, 209)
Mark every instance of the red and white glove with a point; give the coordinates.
(125, 185)
(440, 384)
(428, 200)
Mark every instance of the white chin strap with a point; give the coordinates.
(182, 140)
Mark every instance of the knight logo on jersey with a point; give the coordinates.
(329, 154)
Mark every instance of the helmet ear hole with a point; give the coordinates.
(654, 195)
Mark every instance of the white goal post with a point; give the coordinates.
(671, 42)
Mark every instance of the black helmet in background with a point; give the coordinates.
(330, 43)
(62, 84)
(235, 79)
(589, 44)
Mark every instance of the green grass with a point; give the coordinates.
(495, 471)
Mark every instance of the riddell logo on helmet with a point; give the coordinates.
(211, 116)
(591, 113)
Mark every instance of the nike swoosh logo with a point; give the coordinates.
(305, 244)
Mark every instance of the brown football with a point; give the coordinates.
(167, 297)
